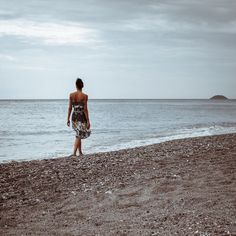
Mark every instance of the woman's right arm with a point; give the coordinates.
(86, 112)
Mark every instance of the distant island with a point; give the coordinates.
(221, 97)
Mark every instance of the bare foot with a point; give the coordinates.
(72, 155)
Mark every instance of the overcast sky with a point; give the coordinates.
(121, 49)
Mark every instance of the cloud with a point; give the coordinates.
(162, 24)
(7, 57)
(59, 33)
(181, 16)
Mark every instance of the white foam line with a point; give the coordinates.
(199, 132)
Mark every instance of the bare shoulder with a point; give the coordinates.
(85, 96)
(72, 94)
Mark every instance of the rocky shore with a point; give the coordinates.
(181, 187)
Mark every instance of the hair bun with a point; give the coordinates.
(79, 83)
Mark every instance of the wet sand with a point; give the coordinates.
(181, 187)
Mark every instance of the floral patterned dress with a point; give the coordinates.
(79, 122)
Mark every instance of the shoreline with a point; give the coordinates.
(165, 139)
(183, 186)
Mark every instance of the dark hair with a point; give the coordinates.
(79, 84)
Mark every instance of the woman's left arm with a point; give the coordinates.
(69, 111)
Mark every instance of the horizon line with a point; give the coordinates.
(21, 99)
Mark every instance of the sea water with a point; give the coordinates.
(36, 129)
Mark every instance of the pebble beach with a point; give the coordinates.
(180, 187)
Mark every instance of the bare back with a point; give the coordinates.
(78, 97)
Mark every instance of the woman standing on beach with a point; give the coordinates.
(80, 117)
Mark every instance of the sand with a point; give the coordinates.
(181, 187)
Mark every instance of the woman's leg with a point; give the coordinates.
(79, 147)
(77, 140)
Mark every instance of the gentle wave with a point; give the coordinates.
(25, 133)
(185, 133)
(37, 129)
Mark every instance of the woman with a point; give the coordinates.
(80, 117)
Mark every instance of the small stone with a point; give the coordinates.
(108, 192)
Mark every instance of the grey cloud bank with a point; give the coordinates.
(122, 49)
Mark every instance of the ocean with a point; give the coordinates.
(36, 129)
